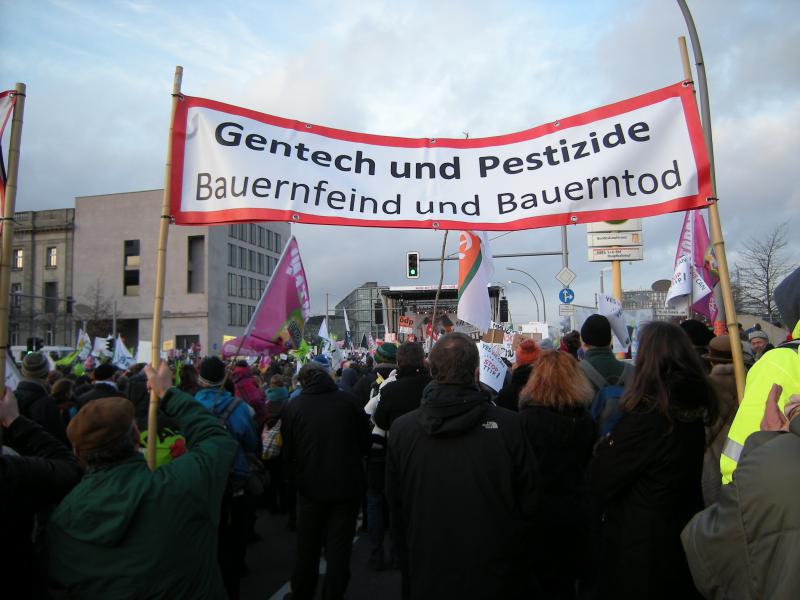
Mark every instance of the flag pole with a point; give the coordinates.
(717, 239)
(161, 260)
(438, 289)
(15, 142)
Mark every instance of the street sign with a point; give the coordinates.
(615, 238)
(566, 295)
(565, 276)
(622, 225)
(566, 310)
(616, 253)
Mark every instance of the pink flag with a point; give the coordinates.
(278, 321)
(706, 264)
(7, 100)
(696, 271)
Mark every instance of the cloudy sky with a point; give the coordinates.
(99, 75)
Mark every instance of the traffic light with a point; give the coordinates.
(29, 344)
(39, 344)
(412, 265)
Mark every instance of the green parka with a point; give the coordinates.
(747, 545)
(126, 532)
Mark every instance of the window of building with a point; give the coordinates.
(243, 231)
(132, 254)
(243, 287)
(242, 258)
(16, 299)
(51, 258)
(50, 293)
(18, 259)
(130, 283)
(130, 276)
(50, 335)
(186, 342)
(231, 255)
(232, 284)
(277, 242)
(270, 240)
(232, 231)
(231, 313)
(196, 268)
(253, 234)
(251, 261)
(262, 241)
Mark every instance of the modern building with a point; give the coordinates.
(655, 300)
(41, 277)
(215, 275)
(360, 305)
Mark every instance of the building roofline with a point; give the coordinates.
(121, 193)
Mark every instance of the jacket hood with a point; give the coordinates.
(450, 410)
(564, 427)
(30, 390)
(787, 299)
(521, 374)
(100, 509)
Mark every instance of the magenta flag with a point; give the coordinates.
(694, 242)
(278, 321)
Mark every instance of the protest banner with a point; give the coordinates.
(493, 370)
(638, 157)
(405, 324)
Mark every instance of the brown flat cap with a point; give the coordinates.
(719, 350)
(100, 422)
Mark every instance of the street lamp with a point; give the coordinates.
(532, 296)
(544, 304)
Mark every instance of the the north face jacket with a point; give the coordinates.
(461, 476)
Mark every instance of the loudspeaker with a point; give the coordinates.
(503, 310)
(378, 313)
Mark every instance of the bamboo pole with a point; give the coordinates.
(161, 260)
(8, 225)
(438, 289)
(717, 239)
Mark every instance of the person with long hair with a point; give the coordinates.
(553, 407)
(647, 472)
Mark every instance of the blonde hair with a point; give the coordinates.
(556, 381)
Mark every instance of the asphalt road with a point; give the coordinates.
(271, 558)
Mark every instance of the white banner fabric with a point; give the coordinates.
(638, 157)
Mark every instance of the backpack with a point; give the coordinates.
(259, 478)
(271, 441)
(606, 402)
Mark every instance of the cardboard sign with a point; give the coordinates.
(405, 325)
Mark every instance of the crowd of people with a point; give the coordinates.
(586, 476)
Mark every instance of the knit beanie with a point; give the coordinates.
(699, 334)
(527, 352)
(596, 331)
(100, 422)
(322, 360)
(104, 372)
(212, 372)
(35, 366)
(277, 394)
(386, 353)
(758, 334)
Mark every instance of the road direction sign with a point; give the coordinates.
(566, 310)
(615, 238)
(616, 253)
(565, 276)
(566, 296)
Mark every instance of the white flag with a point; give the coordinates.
(475, 272)
(323, 333)
(83, 345)
(100, 348)
(611, 309)
(687, 282)
(346, 322)
(122, 357)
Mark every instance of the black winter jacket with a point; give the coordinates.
(43, 474)
(399, 397)
(562, 441)
(325, 436)
(509, 394)
(363, 386)
(647, 474)
(461, 477)
(36, 404)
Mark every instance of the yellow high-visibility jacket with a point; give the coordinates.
(781, 366)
